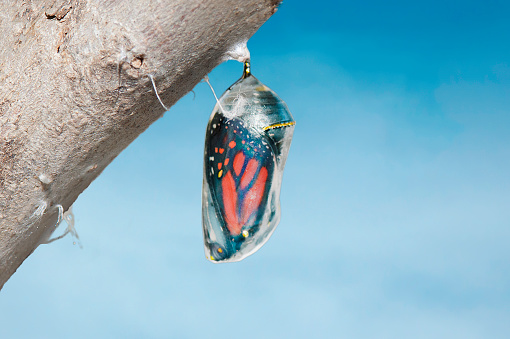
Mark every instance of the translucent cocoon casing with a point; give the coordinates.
(246, 145)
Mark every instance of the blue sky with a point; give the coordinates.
(395, 199)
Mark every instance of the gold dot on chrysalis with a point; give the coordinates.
(245, 234)
(247, 70)
(220, 173)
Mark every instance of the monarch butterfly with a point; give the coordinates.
(246, 145)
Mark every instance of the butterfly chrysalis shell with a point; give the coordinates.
(246, 145)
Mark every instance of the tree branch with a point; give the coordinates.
(75, 90)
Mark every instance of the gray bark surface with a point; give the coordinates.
(75, 90)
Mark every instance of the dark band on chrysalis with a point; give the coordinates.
(247, 71)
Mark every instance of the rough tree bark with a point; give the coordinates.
(75, 90)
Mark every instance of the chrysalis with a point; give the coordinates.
(246, 145)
